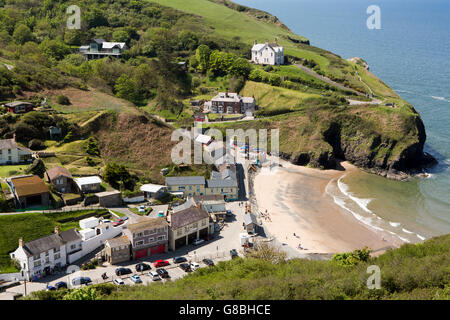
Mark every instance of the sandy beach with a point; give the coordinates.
(296, 200)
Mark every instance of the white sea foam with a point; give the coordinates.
(403, 239)
(420, 237)
(406, 231)
(394, 224)
(362, 203)
(440, 98)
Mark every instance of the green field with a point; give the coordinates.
(13, 170)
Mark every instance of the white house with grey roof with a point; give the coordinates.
(99, 48)
(267, 53)
(12, 153)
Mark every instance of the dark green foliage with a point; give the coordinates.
(92, 147)
(352, 258)
(36, 144)
(62, 99)
(37, 168)
(118, 177)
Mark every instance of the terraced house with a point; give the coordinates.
(188, 225)
(188, 186)
(148, 237)
(224, 182)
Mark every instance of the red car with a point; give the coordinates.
(118, 223)
(160, 263)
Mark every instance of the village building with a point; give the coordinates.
(224, 182)
(148, 237)
(38, 257)
(231, 103)
(117, 250)
(61, 179)
(72, 241)
(188, 225)
(110, 199)
(18, 107)
(99, 48)
(12, 153)
(213, 204)
(250, 223)
(189, 186)
(267, 53)
(55, 133)
(29, 191)
(90, 184)
(153, 191)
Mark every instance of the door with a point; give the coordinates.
(141, 253)
(158, 249)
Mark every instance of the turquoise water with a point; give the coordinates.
(411, 53)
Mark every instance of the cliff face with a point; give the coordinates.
(382, 141)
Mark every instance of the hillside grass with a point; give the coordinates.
(12, 170)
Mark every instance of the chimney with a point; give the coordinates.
(20, 242)
(267, 42)
(254, 42)
(57, 230)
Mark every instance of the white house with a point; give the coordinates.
(89, 184)
(268, 53)
(12, 153)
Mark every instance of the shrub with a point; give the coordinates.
(62, 99)
(36, 144)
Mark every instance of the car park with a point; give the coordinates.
(123, 271)
(208, 262)
(163, 273)
(119, 281)
(198, 242)
(155, 276)
(194, 266)
(81, 280)
(185, 267)
(179, 259)
(233, 253)
(135, 278)
(61, 285)
(142, 267)
(160, 263)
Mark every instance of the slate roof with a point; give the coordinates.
(189, 203)
(176, 181)
(249, 219)
(221, 183)
(70, 235)
(147, 224)
(8, 144)
(17, 103)
(43, 244)
(119, 241)
(209, 198)
(187, 216)
(58, 171)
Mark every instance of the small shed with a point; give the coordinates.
(89, 223)
(110, 198)
(250, 223)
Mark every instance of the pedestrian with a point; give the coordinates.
(294, 234)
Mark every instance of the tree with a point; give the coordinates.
(54, 49)
(22, 34)
(202, 55)
(118, 176)
(240, 67)
(126, 88)
(121, 36)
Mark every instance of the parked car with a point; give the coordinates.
(118, 223)
(208, 262)
(233, 253)
(123, 271)
(135, 278)
(61, 285)
(124, 218)
(185, 267)
(163, 273)
(229, 214)
(119, 281)
(160, 263)
(106, 221)
(142, 267)
(141, 209)
(198, 242)
(51, 288)
(154, 275)
(194, 266)
(81, 280)
(179, 259)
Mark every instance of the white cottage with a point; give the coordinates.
(268, 53)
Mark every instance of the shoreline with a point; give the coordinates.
(302, 212)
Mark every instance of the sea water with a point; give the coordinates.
(411, 53)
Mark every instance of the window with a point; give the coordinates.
(204, 223)
(57, 256)
(151, 239)
(139, 243)
(72, 247)
(195, 225)
(179, 233)
(161, 237)
(9, 151)
(139, 234)
(37, 263)
(38, 257)
(56, 250)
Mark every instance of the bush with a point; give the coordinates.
(36, 144)
(62, 99)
